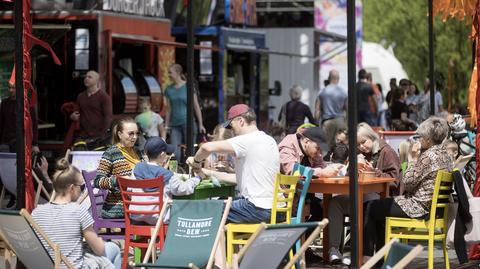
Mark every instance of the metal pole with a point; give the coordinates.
(190, 78)
(19, 95)
(352, 133)
(431, 51)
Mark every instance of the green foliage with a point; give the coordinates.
(404, 24)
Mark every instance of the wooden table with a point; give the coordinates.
(208, 191)
(340, 185)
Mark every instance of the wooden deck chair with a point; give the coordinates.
(22, 235)
(8, 174)
(270, 244)
(196, 227)
(397, 255)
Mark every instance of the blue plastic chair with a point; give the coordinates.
(302, 189)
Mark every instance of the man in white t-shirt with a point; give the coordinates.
(257, 161)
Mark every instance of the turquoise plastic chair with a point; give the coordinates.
(302, 189)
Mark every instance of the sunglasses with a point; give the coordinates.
(82, 186)
(131, 134)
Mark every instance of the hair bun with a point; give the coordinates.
(62, 164)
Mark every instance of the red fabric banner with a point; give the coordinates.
(27, 120)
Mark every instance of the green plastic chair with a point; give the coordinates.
(270, 244)
(194, 232)
(398, 255)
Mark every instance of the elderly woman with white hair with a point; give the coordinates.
(375, 156)
(294, 111)
(427, 158)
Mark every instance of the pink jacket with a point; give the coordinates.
(290, 153)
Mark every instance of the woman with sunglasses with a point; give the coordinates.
(118, 160)
(68, 223)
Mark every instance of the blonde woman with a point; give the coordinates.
(176, 109)
(68, 223)
(380, 158)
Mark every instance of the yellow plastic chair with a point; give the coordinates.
(284, 191)
(431, 229)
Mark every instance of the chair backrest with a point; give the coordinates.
(96, 195)
(284, 191)
(86, 160)
(396, 253)
(268, 248)
(302, 186)
(193, 230)
(18, 231)
(440, 200)
(141, 196)
(8, 171)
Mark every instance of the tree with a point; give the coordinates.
(404, 25)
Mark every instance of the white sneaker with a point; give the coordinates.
(346, 261)
(334, 255)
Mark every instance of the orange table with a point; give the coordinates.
(340, 185)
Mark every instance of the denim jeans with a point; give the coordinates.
(112, 252)
(178, 136)
(244, 211)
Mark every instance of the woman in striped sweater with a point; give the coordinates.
(117, 160)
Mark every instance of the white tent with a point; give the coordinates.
(382, 64)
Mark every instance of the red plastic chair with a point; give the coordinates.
(137, 234)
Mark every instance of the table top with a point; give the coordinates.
(346, 181)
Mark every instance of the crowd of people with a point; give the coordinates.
(242, 154)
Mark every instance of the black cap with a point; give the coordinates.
(315, 134)
(156, 145)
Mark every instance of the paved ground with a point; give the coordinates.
(421, 262)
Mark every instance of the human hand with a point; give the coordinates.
(75, 116)
(331, 170)
(202, 129)
(414, 152)
(364, 167)
(199, 172)
(191, 162)
(35, 149)
(43, 165)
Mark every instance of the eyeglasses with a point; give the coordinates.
(132, 134)
(82, 186)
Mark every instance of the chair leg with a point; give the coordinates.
(290, 256)
(445, 253)
(125, 253)
(430, 252)
(229, 246)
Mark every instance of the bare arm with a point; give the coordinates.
(222, 176)
(318, 108)
(217, 146)
(94, 241)
(162, 131)
(168, 111)
(198, 113)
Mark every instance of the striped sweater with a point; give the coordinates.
(111, 164)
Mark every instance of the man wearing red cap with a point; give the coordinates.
(257, 161)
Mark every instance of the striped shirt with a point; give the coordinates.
(64, 225)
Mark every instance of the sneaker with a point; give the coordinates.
(346, 261)
(334, 255)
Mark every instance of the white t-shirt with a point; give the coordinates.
(257, 162)
(149, 122)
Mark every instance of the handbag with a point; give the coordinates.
(472, 235)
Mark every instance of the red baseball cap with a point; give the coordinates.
(234, 112)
